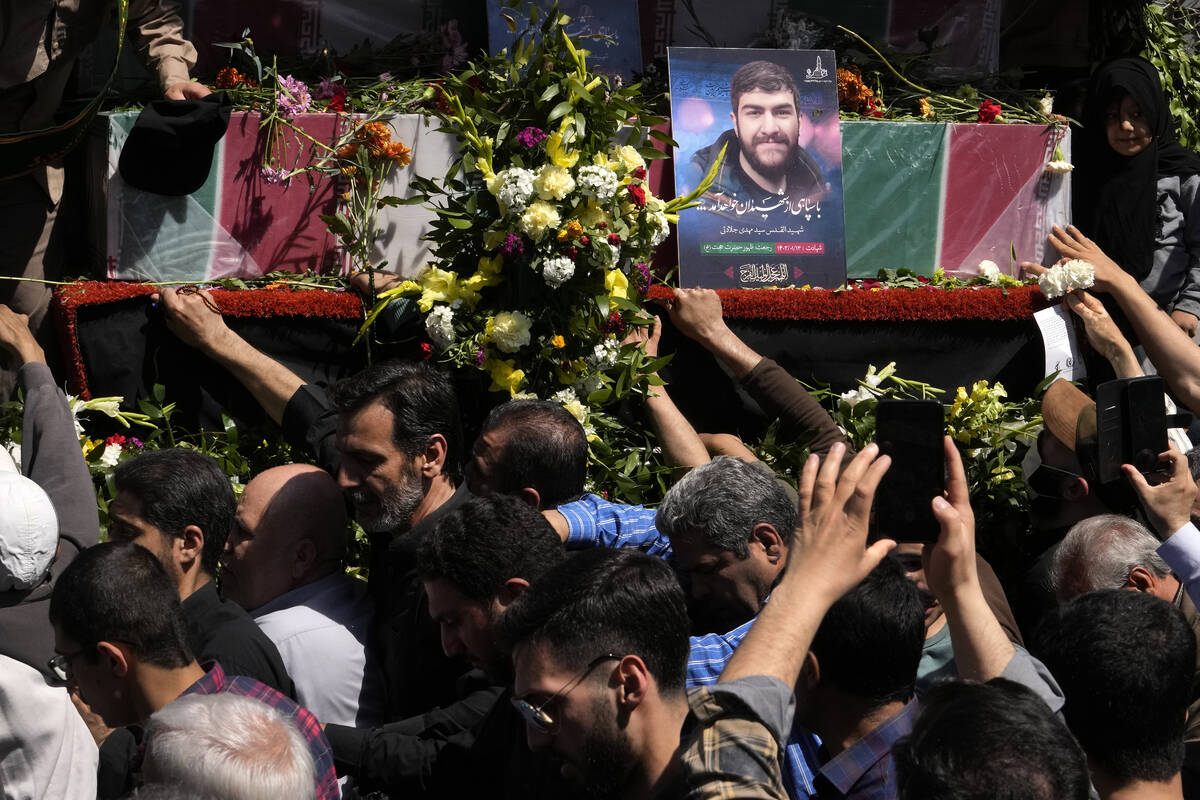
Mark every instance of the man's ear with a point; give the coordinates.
(114, 658)
(510, 591)
(303, 557)
(810, 671)
(435, 456)
(531, 496)
(733, 119)
(1076, 489)
(765, 535)
(1142, 580)
(189, 546)
(633, 683)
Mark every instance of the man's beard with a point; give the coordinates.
(607, 755)
(774, 172)
(396, 505)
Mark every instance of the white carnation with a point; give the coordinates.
(553, 182)
(557, 271)
(662, 228)
(516, 187)
(855, 396)
(1047, 104)
(439, 324)
(989, 270)
(598, 182)
(111, 455)
(1059, 167)
(1063, 278)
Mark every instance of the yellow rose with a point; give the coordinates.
(505, 376)
(553, 182)
(616, 284)
(538, 217)
(630, 158)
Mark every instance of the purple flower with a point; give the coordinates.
(531, 136)
(272, 175)
(293, 97)
(327, 88)
(385, 77)
(480, 357)
(513, 246)
(136, 442)
(641, 277)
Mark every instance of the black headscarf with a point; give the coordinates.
(1115, 196)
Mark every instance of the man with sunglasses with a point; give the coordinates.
(480, 558)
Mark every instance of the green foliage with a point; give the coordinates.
(1170, 36)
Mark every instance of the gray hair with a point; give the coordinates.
(1099, 552)
(723, 500)
(229, 746)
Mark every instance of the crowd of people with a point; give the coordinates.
(519, 636)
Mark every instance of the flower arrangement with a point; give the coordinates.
(546, 226)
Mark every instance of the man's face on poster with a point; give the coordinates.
(768, 131)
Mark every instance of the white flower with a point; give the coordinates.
(604, 355)
(1062, 278)
(553, 182)
(564, 396)
(1059, 167)
(855, 396)
(989, 270)
(1047, 104)
(509, 330)
(538, 217)
(614, 255)
(515, 187)
(111, 455)
(557, 271)
(598, 182)
(439, 324)
(662, 228)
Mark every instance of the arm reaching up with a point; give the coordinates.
(681, 445)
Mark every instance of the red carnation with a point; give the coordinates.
(639, 173)
(426, 350)
(639, 196)
(584, 240)
(338, 101)
(614, 239)
(988, 111)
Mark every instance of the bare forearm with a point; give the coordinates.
(981, 647)
(1176, 356)
(781, 637)
(682, 446)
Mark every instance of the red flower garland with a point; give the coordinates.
(279, 302)
(884, 305)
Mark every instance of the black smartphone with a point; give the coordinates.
(910, 431)
(1131, 426)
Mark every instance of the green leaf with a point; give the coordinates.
(461, 224)
(559, 111)
(550, 93)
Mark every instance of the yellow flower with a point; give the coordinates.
(558, 341)
(493, 239)
(553, 182)
(538, 217)
(508, 330)
(437, 285)
(554, 148)
(592, 215)
(616, 284)
(576, 410)
(926, 108)
(91, 444)
(505, 376)
(630, 158)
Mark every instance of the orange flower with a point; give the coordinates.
(349, 151)
(228, 78)
(375, 133)
(397, 152)
(853, 94)
(349, 171)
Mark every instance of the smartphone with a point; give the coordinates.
(1131, 423)
(911, 432)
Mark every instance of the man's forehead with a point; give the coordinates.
(691, 547)
(536, 671)
(763, 98)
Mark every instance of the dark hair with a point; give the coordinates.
(482, 544)
(121, 593)
(764, 76)
(544, 448)
(605, 601)
(1125, 661)
(177, 488)
(422, 400)
(869, 643)
(981, 741)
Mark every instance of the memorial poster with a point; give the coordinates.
(773, 214)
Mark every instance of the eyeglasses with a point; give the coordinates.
(537, 717)
(60, 664)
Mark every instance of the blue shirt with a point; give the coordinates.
(865, 770)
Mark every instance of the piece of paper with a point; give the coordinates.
(1058, 340)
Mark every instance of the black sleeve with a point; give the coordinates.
(401, 757)
(309, 424)
(115, 774)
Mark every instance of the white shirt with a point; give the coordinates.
(321, 630)
(45, 749)
(1181, 551)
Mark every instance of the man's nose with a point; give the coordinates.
(346, 479)
(451, 644)
(537, 740)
